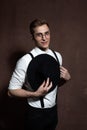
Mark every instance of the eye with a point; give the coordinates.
(38, 34)
(47, 33)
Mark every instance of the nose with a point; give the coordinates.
(43, 36)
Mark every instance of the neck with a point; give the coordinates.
(43, 49)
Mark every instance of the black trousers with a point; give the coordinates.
(41, 119)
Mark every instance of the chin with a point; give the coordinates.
(44, 48)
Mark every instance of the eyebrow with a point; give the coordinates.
(43, 33)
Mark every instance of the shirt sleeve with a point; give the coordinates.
(18, 76)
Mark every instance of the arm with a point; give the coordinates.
(42, 90)
(18, 79)
(20, 93)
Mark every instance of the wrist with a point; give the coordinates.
(32, 94)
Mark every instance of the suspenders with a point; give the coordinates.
(31, 55)
(41, 98)
(52, 51)
(55, 56)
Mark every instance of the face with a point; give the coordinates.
(42, 37)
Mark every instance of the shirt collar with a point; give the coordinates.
(38, 50)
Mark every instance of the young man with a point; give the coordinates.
(38, 117)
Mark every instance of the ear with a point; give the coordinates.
(32, 37)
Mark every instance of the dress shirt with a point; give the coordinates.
(19, 75)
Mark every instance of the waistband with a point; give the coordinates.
(42, 109)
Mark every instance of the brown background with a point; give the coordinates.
(68, 21)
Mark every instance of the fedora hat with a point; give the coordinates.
(40, 68)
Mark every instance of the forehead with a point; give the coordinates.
(41, 29)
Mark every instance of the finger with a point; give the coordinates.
(43, 84)
(63, 68)
(47, 82)
(62, 75)
(50, 85)
(63, 71)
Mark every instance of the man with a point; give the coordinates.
(38, 117)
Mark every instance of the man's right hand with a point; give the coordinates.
(44, 88)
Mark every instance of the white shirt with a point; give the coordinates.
(19, 74)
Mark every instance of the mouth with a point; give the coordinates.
(44, 43)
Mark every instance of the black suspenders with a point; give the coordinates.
(31, 55)
(41, 98)
(52, 51)
(55, 56)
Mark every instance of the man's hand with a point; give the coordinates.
(64, 73)
(44, 88)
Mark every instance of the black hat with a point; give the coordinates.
(40, 68)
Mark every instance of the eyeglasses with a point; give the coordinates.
(41, 35)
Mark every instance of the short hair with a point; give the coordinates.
(36, 23)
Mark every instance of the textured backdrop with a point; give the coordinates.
(68, 22)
